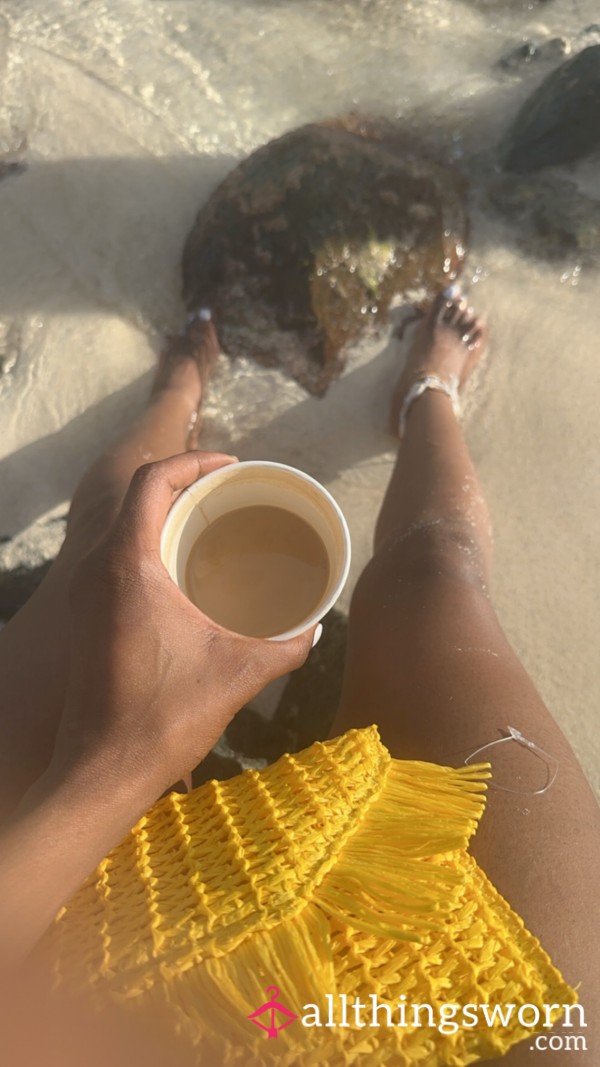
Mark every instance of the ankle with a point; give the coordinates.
(178, 377)
(421, 386)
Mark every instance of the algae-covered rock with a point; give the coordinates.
(306, 243)
(560, 122)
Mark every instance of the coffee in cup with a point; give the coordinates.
(259, 547)
(258, 570)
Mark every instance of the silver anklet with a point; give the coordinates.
(428, 381)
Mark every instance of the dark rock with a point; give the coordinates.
(529, 52)
(553, 219)
(26, 558)
(560, 122)
(517, 57)
(502, 5)
(10, 168)
(306, 242)
(555, 48)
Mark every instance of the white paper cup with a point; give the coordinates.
(240, 485)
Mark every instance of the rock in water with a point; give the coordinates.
(553, 219)
(25, 559)
(11, 167)
(308, 241)
(560, 122)
(534, 52)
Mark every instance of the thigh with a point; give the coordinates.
(428, 661)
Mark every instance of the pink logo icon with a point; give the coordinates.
(270, 1009)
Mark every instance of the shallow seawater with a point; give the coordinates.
(129, 113)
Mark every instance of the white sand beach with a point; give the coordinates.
(128, 114)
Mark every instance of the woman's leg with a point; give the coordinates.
(428, 661)
(34, 645)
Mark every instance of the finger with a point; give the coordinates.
(155, 487)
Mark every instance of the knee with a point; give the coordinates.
(444, 548)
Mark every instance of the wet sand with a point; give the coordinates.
(128, 117)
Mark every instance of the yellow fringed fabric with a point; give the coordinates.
(334, 875)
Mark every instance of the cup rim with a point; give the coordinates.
(228, 470)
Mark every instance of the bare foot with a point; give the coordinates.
(447, 342)
(184, 368)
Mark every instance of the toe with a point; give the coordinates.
(201, 331)
(476, 335)
(456, 309)
(466, 326)
(439, 308)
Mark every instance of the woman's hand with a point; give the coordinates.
(153, 681)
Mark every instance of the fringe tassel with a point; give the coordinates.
(386, 880)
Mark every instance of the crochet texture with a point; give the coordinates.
(338, 870)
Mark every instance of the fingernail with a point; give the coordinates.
(317, 634)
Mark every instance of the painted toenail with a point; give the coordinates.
(204, 314)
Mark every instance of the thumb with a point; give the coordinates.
(285, 656)
(155, 487)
